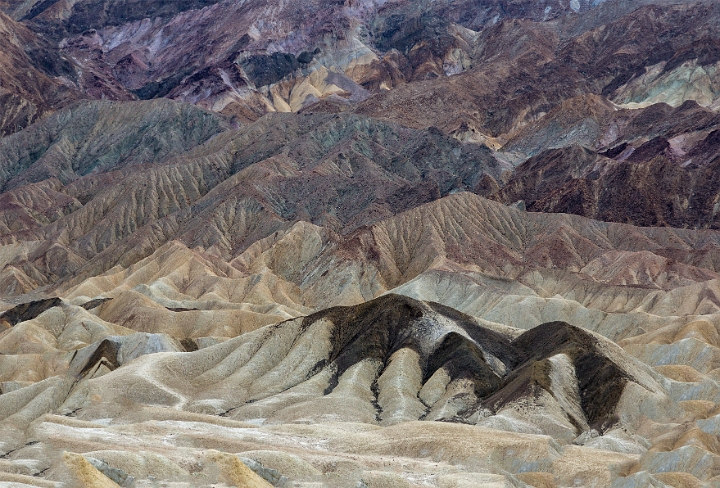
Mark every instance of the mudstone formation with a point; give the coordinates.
(349, 243)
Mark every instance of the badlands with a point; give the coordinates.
(359, 244)
(438, 347)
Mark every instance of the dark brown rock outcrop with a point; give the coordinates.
(28, 311)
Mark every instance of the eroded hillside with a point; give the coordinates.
(359, 244)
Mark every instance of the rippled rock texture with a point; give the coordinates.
(359, 244)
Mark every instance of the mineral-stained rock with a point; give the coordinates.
(29, 65)
(28, 311)
(359, 243)
(67, 144)
(117, 475)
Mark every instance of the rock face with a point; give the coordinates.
(30, 70)
(504, 357)
(650, 167)
(247, 59)
(28, 311)
(452, 369)
(66, 146)
(359, 244)
(391, 361)
(340, 171)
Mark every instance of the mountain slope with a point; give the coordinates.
(236, 188)
(389, 361)
(112, 347)
(29, 66)
(359, 243)
(653, 166)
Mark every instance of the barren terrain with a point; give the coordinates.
(359, 244)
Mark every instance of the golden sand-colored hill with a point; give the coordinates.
(435, 381)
